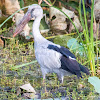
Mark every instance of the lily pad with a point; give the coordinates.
(75, 46)
(95, 81)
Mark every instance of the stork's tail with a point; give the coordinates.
(84, 69)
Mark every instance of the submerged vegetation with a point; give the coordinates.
(18, 65)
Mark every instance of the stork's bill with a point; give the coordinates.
(23, 22)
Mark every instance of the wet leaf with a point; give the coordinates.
(77, 23)
(95, 81)
(58, 22)
(11, 6)
(75, 46)
(28, 88)
(55, 12)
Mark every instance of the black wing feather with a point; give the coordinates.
(67, 63)
(64, 51)
(70, 65)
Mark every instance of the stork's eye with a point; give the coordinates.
(32, 12)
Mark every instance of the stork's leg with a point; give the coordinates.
(39, 2)
(43, 79)
(44, 84)
(44, 74)
(60, 78)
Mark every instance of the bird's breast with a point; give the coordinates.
(48, 58)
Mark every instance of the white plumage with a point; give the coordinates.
(52, 58)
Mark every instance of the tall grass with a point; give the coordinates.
(88, 34)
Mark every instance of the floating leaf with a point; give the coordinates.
(75, 46)
(95, 81)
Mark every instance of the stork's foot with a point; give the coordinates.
(59, 84)
(45, 93)
(60, 78)
(44, 86)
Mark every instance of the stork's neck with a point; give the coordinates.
(35, 29)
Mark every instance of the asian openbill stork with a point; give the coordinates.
(52, 58)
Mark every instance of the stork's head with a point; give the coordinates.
(34, 11)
